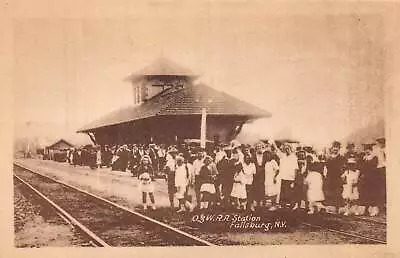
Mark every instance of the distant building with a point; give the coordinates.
(167, 107)
(57, 151)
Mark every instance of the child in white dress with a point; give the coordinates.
(238, 193)
(350, 189)
(146, 185)
(314, 182)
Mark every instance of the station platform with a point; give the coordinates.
(113, 185)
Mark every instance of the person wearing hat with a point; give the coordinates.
(181, 181)
(169, 170)
(98, 157)
(236, 146)
(123, 154)
(161, 153)
(350, 192)
(249, 169)
(333, 182)
(247, 150)
(314, 185)
(308, 149)
(258, 187)
(146, 186)
(225, 175)
(368, 188)
(135, 159)
(69, 155)
(115, 158)
(207, 189)
(287, 173)
(141, 150)
(239, 193)
(219, 153)
(271, 174)
(380, 153)
(152, 152)
(299, 192)
(171, 153)
(350, 151)
(190, 186)
(106, 156)
(76, 157)
(197, 165)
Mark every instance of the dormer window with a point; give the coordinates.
(157, 77)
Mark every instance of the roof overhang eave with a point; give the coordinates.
(88, 130)
(249, 116)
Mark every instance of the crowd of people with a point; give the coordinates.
(249, 177)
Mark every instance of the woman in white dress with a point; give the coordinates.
(271, 181)
(181, 181)
(249, 169)
(287, 173)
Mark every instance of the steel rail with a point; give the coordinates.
(178, 231)
(341, 232)
(66, 216)
(356, 218)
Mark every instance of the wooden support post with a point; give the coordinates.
(203, 127)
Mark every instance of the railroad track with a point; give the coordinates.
(103, 221)
(61, 213)
(359, 218)
(364, 230)
(50, 214)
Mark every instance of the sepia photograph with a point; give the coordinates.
(209, 124)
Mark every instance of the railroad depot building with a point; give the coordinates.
(168, 107)
(57, 151)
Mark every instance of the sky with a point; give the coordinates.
(320, 73)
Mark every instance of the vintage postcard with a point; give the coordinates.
(208, 124)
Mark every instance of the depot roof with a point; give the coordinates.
(184, 101)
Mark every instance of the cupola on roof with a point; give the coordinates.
(162, 67)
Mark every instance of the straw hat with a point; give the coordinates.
(208, 158)
(368, 146)
(381, 140)
(227, 148)
(173, 150)
(235, 144)
(180, 158)
(351, 161)
(146, 157)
